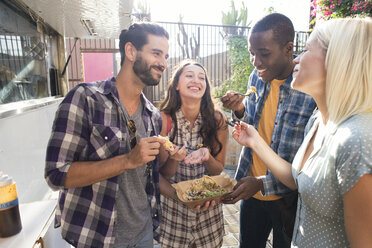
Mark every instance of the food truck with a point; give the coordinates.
(33, 81)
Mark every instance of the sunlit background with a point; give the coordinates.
(210, 11)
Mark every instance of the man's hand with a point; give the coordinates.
(145, 151)
(234, 102)
(244, 189)
(197, 156)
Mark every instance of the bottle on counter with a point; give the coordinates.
(10, 219)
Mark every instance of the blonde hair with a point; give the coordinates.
(348, 46)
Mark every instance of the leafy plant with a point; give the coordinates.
(190, 46)
(243, 17)
(231, 17)
(142, 11)
(240, 65)
(234, 17)
(270, 10)
(238, 50)
(330, 9)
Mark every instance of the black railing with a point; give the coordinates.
(207, 44)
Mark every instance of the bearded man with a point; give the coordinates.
(102, 153)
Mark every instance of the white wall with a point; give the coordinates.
(23, 141)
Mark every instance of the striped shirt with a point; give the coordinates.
(90, 126)
(293, 112)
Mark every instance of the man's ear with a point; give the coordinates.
(289, 48)
(130, 51)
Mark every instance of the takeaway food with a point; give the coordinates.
(203, 188)
(251, 90)
(168, 145)
(223, 180)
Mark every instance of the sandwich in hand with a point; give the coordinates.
(168, 145)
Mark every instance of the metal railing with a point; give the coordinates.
(207, 44)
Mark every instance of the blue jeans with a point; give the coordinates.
(257, 218)
(146, 242)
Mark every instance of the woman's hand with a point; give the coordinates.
(245, 134)
(208, 205)
(178, 154)
(197, 156)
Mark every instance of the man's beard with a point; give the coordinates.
(143, 71)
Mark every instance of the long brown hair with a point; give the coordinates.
(210, 125)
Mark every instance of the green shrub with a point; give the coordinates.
(240, 65)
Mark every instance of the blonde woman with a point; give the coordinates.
(332, 169)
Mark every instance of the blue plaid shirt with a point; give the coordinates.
(293, 112)
(90, 126)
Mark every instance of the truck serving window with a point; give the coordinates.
(25, 64)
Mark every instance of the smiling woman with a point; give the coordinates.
(193, 119)
(310, 79)
(192, 83)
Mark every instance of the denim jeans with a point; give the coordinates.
(146, 242)
(257, 218)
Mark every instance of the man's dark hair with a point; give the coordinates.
(137, 35)
(281, 25)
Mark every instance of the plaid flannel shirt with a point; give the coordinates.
(293, 112)
(90, 126)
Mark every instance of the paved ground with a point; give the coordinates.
(231, 219)
(231, 216)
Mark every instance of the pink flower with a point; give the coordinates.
(354, 9)
(328, 13)
(314, 4)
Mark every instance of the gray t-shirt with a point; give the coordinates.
(340, 157)
(133, 209)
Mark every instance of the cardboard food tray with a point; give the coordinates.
(223, 180)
